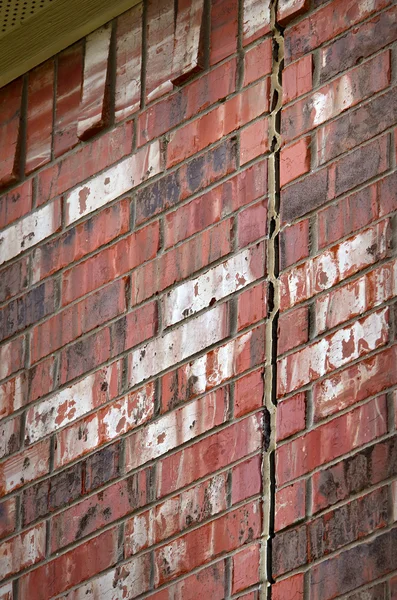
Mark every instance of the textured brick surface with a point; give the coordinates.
(143, 341)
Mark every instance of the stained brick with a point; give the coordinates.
(39, 116)
(16, 203)
(128, 63)
(256, 20)
(10, 110)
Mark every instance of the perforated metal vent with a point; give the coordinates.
(33, 30)
(15, 12)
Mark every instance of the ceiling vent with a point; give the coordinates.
(33, 30)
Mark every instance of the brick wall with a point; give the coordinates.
(197, 323)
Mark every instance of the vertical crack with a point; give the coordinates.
(270, 384)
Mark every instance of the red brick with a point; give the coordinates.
(252, 223)
(27, 309)
(246, 479)
(254, 140)
(14, 279)
(332, 99)
(185, 181)
(348, 524)
(13, 394)
(12, 356)
(256, 20)
(41, 379)
(245, 568)
(10, 110)
(208, 455)
(39, 116)
(8, 516)
(345, 571)
(71, 568)
(207, 583)
(10, 434)
(386, 194)
(222, 120)
(289, 550)
(22, 468)
(182, 261)
(358, 43)
(224, 29)
(128, 63)
(248, 393)
(368, 377)
(294, 160)
(294, 243)
(287, 10)
(315, 29)
(67, 103)
(291, 416)
(297, 79)
(290, 505)
(188, 52)
(331, 440)
(16, 203)
(291, 588)
(87, 161)
(99, 510)
(22, 551)
(293, 329)
(252, 306)
(112, 262)
(80, 318)
(228, 533)
(258, 61)
(354, 474)
(221, 201)
(187, 102)
(93, 105)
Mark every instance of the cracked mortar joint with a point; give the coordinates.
(269, 401)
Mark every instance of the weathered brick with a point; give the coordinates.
(252, 224)
(181, 262)
(345, 572)
(41, 379)
(288, 10)
(102, 467)
(294, 160)
(251, 306)
(386, 194)
(71, 568)
(209, 455)
(22, 551)
(93, 109)
(12, 357)
(290, 505)
(256, 20)
(336, 97)
(128, 63)
(10, 110)
(254, 140)
(30, 230)
(224, 30)
(358, 43)
(87, 161)
(348, 523)
(112, 262)
(228, 532)
(8, 517)
(297, 79)
(185, 181)
(177, 345)
(289, 550)
(315, 29)
(213, 285)
(248, 394)
(246, 479)
(291, 416)
(337, 263)
(39, 116)
(99, 510)
(16, 203)
(10, 433)
(207, 583)
(27, 309)
(13, 395)
(188, 51)
(355, 473)
(331, 440)
(159, 437)
(113, 183)
(67, 102)
(333, 351)
(23, 468)
(220, 202)
(245, 568)
(222, 120)
(292, 587)
(294, 243)
(258, 61)
(293, 329)
(14, 279)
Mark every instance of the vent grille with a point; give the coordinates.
(15, 12)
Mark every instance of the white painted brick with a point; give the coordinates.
(25, 467)
(256, 17)
(29, 231)
(217, 283)
(175, 428)
(22, 550)
(113, 182)
(67, 405)
(177, 345)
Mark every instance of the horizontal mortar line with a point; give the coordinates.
(369, 585)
